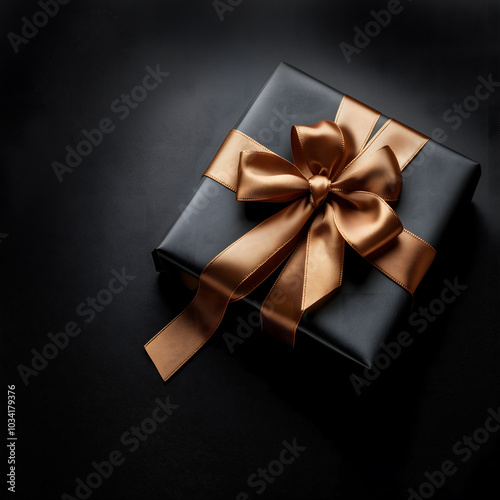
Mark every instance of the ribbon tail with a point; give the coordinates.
(325, 258)
(282, 309)
(313, 271)
(233, 273)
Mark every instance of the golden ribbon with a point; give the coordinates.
(338, 190)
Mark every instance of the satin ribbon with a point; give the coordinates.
(338, 189)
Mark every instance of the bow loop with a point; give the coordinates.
(380, 173)
(366, 221)
(268, 177)
(319, 149)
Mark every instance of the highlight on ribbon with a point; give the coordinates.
(339, 189)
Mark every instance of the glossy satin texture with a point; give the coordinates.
(338, 189)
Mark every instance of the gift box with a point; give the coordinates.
(358, 316)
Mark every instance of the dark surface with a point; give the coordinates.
(235, 410)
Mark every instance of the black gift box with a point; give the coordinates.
(361, 317)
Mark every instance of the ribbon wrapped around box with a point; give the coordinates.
(345, 185)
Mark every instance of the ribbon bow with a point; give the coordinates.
(337, 190)
(349, 202)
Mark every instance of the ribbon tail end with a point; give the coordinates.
(163, 370)
(165, 359)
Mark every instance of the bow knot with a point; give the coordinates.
(319, 185)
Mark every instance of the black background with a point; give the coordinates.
(235, 410)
